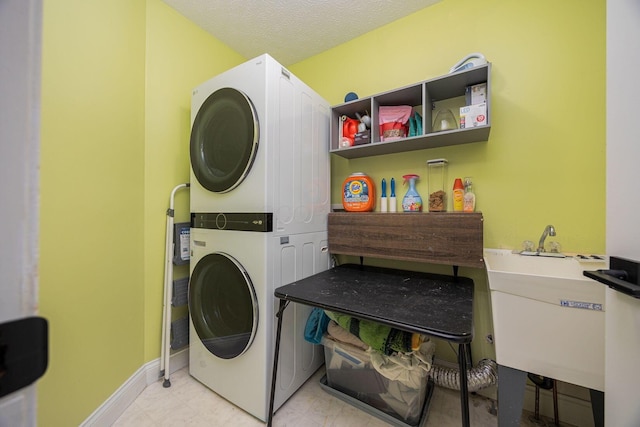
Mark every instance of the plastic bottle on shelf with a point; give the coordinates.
(469, 198)
(412, 202)
(383, 196)
(392, 196)
(458, 195)
(358, 193)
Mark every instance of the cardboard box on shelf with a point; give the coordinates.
(362, 137)
(476, 94)
(473, 115)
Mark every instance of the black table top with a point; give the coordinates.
(431, 304)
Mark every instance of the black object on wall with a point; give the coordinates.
(24, 353)
(623, 276)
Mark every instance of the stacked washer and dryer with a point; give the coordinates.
(259, 202)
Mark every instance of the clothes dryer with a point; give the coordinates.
(260, 143)
(232, 312)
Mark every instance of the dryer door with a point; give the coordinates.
(223, 305)
(224, 140)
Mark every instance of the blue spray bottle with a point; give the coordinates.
(412, 202)
(392, 197)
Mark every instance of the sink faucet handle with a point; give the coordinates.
(527, 246)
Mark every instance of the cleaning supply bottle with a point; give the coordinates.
(412, 202)
(458, 195)
(469, 198)
(358, 193)
(383, 196)
(392, 197)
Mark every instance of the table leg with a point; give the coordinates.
(279, 315)
(597, 407)
(469, 356)
(511, 383)
(464, 390)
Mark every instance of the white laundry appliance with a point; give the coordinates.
(232, 313)
(260, 143)
(259, 202)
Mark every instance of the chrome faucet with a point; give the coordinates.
(548, 231)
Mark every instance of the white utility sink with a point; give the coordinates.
(548, 318)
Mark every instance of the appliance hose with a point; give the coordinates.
(484, 374)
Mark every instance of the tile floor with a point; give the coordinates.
(189, 403)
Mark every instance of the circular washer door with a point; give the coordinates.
(224, 140)
(223, 305)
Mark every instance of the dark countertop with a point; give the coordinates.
(432, 304)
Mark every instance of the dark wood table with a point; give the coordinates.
(436, 305)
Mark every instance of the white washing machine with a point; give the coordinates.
(232, 312)
(260, 143)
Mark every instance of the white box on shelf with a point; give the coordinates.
(473, 115)
(476, 94)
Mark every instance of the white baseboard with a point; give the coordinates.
(120, 400)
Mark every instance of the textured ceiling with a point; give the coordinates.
(292, 30)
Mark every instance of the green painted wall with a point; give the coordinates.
(544, 161)
(92, 201)
(116, 92)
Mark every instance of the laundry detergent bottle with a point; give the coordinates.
(412, 202)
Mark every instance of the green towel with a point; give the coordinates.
(384, 339)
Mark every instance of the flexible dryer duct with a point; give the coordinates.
(483, 375)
